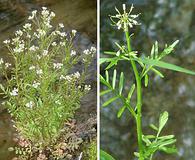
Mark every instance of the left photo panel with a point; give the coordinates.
(48, 80)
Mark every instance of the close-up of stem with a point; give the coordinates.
(139, 98)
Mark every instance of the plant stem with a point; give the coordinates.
(139, 100)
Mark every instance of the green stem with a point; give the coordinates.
(139, 100)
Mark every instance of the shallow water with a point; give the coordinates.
(79, 15)
(164, 21)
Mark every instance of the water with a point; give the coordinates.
(164, 21)
(79, 15)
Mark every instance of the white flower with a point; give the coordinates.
(31, 68)
(125, 19)
(68, 78)
(48, 25)
(74, 32)
(45, 52)
(14, 92)
(87, 52)
(61, 25)
(33, 15)
(38, 57)
(54, 33)
(36, 84)
(62, 77)
(57, 65)
(45, 12)
(44, 8)
(39, 71)
(58, 102)
(79, 87)
(27, 26)
(41, 32)
(87, 87)
(124, 7)
(63, 34)
(52, 14)
(118, 53)
(19, 33)
(73, 53)
(36, 35)
(93, 49)
(16, 40)
(1, 61)
(54, 44)
(7, 65)
(33, 48)
(77, 75)
(19, 48)
(28, 36)
(30, 104)
(7, 41)
(62, 43)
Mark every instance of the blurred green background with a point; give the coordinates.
(164, 21)
(75, 14)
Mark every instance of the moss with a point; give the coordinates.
(90, 152)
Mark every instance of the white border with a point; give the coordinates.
(98, 81)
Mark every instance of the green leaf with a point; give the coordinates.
(146, 79)
(168, 49)
(150, 136)
(120, 112)
(110, 101)
(157, 72)
(161, 143)
(163, 120)
(107, 76)
(103, 60)
(156, 49)
(105, 156)
(2, 87)
(110, 52)
(102, 80)
(121, 83)
(146, 140)
(152, 52)
(153, 127)
(165, 65)
(169, 150)
(166, 143)
(114, 79)
(136, 154)
(112, 63)
(105, 92)
(166, 137)
(131, 92)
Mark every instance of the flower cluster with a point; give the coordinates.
(88, 54)
(70, 77)
(3, 64)
(125, 19)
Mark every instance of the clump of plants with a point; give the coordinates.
(42, 89)
(141, 66)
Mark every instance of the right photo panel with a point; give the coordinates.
(147, 80)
